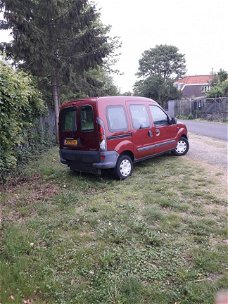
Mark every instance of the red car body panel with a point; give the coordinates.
(141, 143)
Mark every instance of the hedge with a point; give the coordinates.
(21, 105)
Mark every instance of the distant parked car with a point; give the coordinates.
(115, 132)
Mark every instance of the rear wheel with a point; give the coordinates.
(182, 147)
(124, 167)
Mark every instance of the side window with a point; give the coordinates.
(159, 117)
(116, 118)
(68, 120)
(140, 117)
(86, 116)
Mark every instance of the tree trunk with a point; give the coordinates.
(56, 105)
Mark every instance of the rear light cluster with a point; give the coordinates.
(101, 134)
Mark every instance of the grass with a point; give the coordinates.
(157, 237)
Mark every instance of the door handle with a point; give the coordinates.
(150, 133)
(157, 132)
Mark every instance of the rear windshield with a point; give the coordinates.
(68, 120)
(87, 123)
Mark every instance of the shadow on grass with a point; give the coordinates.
(109, 174)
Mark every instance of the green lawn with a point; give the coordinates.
(157, 237)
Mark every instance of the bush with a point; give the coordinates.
(20, 106)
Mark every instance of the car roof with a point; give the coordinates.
(109, 99)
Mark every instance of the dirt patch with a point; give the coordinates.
(34, 193)
(18, 202)
(17, 180)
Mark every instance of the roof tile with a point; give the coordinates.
(196, 79)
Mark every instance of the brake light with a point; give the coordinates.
(101, 134)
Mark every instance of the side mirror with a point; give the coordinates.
(172, 121)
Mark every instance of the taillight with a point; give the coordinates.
(101, 135)
(101, 132)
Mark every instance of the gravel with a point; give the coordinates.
(211, 154)
(208, 151)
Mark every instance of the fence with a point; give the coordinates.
(33, 141)
(38, 138)
(47, 124)
(205, 108)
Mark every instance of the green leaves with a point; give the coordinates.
(164, 61)
(56, 39)
(20, 104)
(58, 42)
(157, 88)
(158, 68)
(219, 85)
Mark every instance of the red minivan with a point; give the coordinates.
(115, 132)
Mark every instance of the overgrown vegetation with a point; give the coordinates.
(157, 237)
(20, 105)
(219, 85)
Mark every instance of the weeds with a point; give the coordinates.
(69, 238)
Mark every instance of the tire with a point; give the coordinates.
(182, 147)
(124, 167)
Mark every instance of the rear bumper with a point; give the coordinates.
(88, 161)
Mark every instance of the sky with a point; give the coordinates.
(198, 28)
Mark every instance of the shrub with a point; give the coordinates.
(20, 105)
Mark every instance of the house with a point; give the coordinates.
(194, 86)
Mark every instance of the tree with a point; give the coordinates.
(158, 68)
(95, 82)
(57, 41)
(222, 75)
(219, 85)
(102, 82)
(219, 90)
(128, 93)
(20, 105)
(156, 88)
(164, 61)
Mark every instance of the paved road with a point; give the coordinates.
(210, 129)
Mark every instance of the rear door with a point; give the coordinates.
(87, 128)
(78, 130)
(68, 127)
(164, 134)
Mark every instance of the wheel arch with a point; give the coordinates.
(184, 135)
(125, 147)
(129, 153)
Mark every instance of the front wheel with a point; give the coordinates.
(124, 167)
(182, 147)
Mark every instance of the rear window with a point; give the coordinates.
(117, 120)
(86, 115)
(68, 120)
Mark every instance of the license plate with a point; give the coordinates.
(69, 141)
